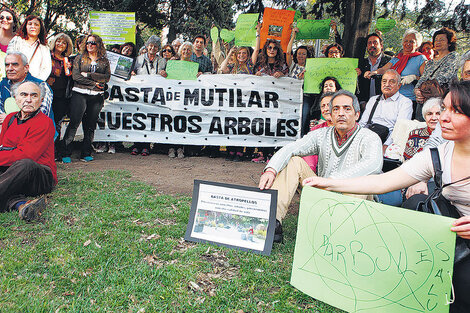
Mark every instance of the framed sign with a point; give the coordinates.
(233, 216)
(120, 65)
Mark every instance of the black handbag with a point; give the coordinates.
(379, 129)
(435, 203)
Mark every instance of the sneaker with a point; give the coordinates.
(259, 159)
(238, 157)
(32, 209)
(101, 148)
(66, 160)
(171, 153)
(145, 152)
(230, 156)
(111, 149)
(180, 153)
(87, 158)
(278, 236)
(135, 151)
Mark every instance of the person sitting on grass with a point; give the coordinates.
(27, 166)
(344, 150)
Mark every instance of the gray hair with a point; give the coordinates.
(430, 103)
(184, 44)
(343, 92)
(41, 86)
(395, 73)
(23, 58)
(155, 40)
(418, 36)
(177, 40)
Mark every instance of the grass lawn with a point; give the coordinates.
(108, 244)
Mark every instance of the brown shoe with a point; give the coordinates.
(32, 209)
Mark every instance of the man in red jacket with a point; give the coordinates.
(27, 166)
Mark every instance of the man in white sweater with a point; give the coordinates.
(344, 150)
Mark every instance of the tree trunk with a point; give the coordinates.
(357, 20)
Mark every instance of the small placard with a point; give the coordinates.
(120, 65)
(233, 216)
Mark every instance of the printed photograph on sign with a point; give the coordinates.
(120, 65)
(275, 31)
(238, 217)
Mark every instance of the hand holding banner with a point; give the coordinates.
(182, 70)
(245, 31)
(343, 69)
(277, 26)
(313, 29)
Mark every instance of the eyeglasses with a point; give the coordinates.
(93, 43)
(333, 52)
(8, 18)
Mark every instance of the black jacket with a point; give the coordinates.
(363, 93)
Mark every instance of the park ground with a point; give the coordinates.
(111, 240)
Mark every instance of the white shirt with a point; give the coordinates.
(388, 112)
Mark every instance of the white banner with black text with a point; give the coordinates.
(219, 110)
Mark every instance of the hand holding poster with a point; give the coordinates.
(313, 29)
(113, 27)
(343, 69)
(363, 256)
(182, 70)
(245, 31)
(277, 26)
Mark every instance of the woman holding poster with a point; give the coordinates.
(270, 61)
(454, 157)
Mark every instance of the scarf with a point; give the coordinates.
(403, 60)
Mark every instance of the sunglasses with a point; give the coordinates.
(93, 43)
(272, 48)
(8, 18)
(167, 50)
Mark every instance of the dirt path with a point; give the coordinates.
(172, 176)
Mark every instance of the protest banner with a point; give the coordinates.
(239, 217)
(343, 69)
(227, 35)
(363, 256)
(227, 110)
(313, 29)
(183, 70)
(214, 34)
(245, 31)
(277, 26)
(113, 27)
(385, 25)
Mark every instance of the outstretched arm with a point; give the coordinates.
(254, 57)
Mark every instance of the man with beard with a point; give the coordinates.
(376, 59)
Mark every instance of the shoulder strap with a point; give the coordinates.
(436, 163)
(37, 46)
(369, 121)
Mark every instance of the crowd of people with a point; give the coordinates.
(345, 136)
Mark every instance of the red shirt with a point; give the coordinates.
(33, 139)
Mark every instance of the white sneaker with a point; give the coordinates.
(171, 153)
(101, 148)
(180, 153)
(111, 149)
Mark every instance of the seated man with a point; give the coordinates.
(344, 150)
(385, 110)
(17, 70)
(27, 166)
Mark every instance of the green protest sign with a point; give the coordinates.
(385, 25)
(214, 34)
(10, 105)
(113, 27)
(363, 256)
(245, 31)
(343, 69)
(182, 70)
(227, 35)
(313, 29)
